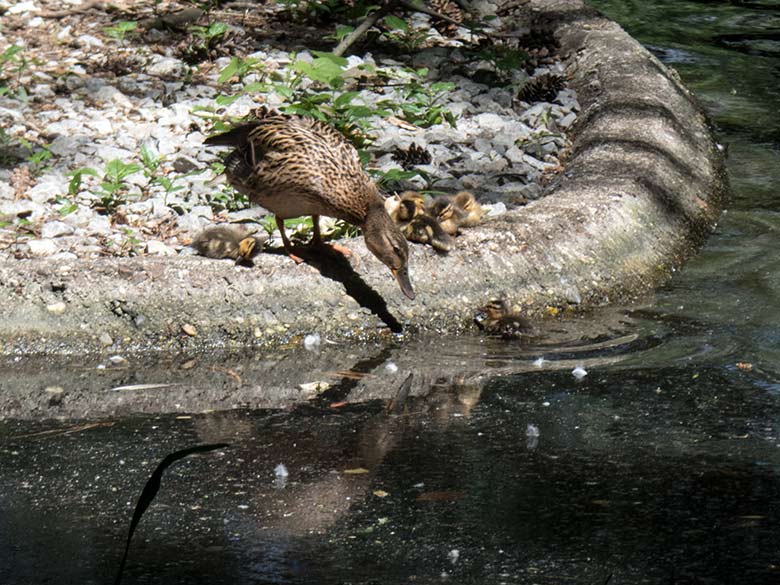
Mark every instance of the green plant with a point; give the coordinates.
(399, 31)
(76, 178)
(240, 68)
(421, 102)
(153, 173)
(130, 244)
(66, 206)
(36, 157)
(113, 187)
(13, 62)
(211, 34)
(121, 29)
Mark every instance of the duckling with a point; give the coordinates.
(448, 215)
(472, 212)
(293, 165)
(424, 229)
(402, 208)
(227, 242)
(498, 318)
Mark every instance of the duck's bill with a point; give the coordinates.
(402, 276)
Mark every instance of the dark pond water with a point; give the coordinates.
(661, 466)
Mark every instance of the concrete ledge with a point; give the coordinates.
(643, 187)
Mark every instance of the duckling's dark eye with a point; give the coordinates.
(397, 250)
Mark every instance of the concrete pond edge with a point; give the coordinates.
(643, 187)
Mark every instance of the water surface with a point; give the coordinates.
(660, 466)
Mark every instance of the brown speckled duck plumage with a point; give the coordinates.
(293, 166)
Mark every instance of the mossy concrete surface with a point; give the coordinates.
(642, 188)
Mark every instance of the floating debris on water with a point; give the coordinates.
(532, 434)
(579, 372)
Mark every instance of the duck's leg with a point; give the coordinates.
(317, 238)
(286, 242)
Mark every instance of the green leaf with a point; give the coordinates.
(395, 23)
(342, 31)
(117, 171)
(442, 86)
(226, 100)
(229, 71)
(335, 59)
(216, 29)
(148, 159)
(67, 209)
(344, 99)
(256, 86)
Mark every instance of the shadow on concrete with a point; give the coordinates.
(333, 265)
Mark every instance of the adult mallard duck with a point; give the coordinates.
(295, 166)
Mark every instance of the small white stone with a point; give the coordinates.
(117, 360)
(105, 339)
(391, 368)
(157, 248)
(312, 341)
(167, 67)
(539, 362)
(567, 120)
(88, 41)
(56, 308)
(496, 209)
(55, 229)
(42, 247)
(23, 7)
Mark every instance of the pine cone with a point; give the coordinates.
(413, 156)
(544, 88)
(447, 8)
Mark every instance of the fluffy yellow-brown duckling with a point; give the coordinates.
(293, 166)
(424, 229)
(498, 318)
(402, 208)
(227, 242)
(448, 215)
(471, 211)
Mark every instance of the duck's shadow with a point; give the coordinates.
(332, 264)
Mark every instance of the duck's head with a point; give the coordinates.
(386, 242)
(246, 249)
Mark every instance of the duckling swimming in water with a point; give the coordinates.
(227, 242)
(498, 318)
(293, 166)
